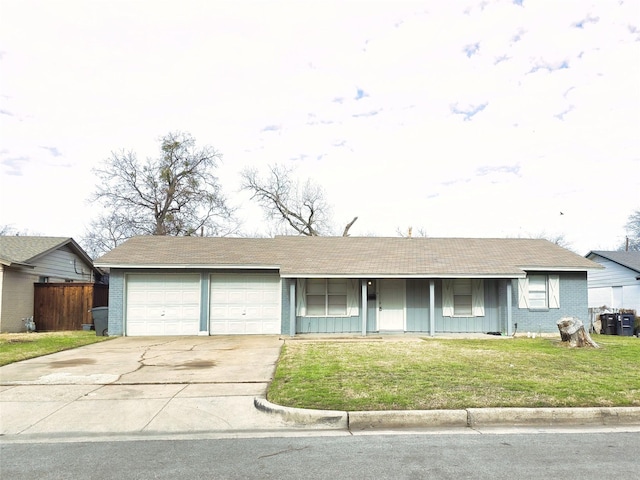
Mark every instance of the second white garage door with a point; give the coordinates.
(244, 303)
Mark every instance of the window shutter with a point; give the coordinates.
(554, 291)
(447, 298)
(352, 298)
(301, 297)
(523, 292)
(477, 297)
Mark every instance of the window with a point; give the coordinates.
(326, 297)
(462, 305)
(463, 297)
(539, 292)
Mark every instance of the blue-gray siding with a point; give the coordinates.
(417, 306)
(573, 302)
(116, 302)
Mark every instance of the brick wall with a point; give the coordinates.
(116, 302)
(284, 307)
(573, 303)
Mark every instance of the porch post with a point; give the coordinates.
(509, 318)
(363, 308)
(292, 308)
(432, 307)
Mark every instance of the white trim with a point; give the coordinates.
(523, 292)
(538, 268)
(188, 266)
(447, 298)
(401, 276)
(477, 298)
(553, 283)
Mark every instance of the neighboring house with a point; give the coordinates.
(25, 261)
(296, 285)
(617, 286)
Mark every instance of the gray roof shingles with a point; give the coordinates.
(22, 249)
(627, 259)
(355, 256)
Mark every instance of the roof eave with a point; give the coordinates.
(184, 266)
(562, 269)
(599, 254)
(424, 276)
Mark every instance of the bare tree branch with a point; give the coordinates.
(345, 233)
(304, 208)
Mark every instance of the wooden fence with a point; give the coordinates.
(66, 306)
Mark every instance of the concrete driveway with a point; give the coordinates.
(151, 384)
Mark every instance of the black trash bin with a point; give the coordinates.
(609, 321)
(101, 320)
(626, 324)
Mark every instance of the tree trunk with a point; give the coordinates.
(572, 331)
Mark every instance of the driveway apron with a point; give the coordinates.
(142, 384)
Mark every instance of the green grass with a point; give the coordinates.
(15, 347)
(450, 374)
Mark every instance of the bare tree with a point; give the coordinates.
(300, 207)
(632, 242)
(175, 193)
(11, 231)
(559, 238)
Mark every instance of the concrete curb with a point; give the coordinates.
(407, 419)
(471, 417)
(303, 416)
(483, 417)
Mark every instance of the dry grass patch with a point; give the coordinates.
(15, 347)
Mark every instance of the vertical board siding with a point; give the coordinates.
(417, 306)
(66, 306)
(328, 324)
(490, 322)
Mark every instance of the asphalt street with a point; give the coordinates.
(583, 454)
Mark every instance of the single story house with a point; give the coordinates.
(617, 285)
(358, 285)
(27, 260)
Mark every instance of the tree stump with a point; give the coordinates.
(572, 331)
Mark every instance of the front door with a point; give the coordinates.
(391, 305)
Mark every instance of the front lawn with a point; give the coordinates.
(426, 374)
(15, 347)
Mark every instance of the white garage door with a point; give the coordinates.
(163, 304)
(244, 303)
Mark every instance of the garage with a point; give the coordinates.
(163, 304)
(244, 303)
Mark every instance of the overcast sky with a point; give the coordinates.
(458, 118)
